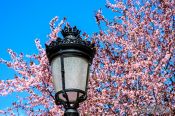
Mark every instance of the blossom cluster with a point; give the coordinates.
(132, 73)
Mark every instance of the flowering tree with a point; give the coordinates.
(132, 73)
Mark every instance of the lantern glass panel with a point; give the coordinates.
(76, 69)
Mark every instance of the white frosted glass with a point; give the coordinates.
(75, 74)
(56, 73)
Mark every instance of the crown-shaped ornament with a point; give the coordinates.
(71, 40)
(67, 31)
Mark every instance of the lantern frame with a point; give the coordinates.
(71, 45)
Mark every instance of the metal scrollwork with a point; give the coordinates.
(71, 37)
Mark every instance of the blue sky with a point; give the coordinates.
(23, 21)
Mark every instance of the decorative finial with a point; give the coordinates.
(70, 31)
(71, 40)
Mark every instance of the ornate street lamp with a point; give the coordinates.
(70, 59)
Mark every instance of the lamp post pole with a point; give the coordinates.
(70, 59)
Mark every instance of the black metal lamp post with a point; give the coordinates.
(70, 59)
